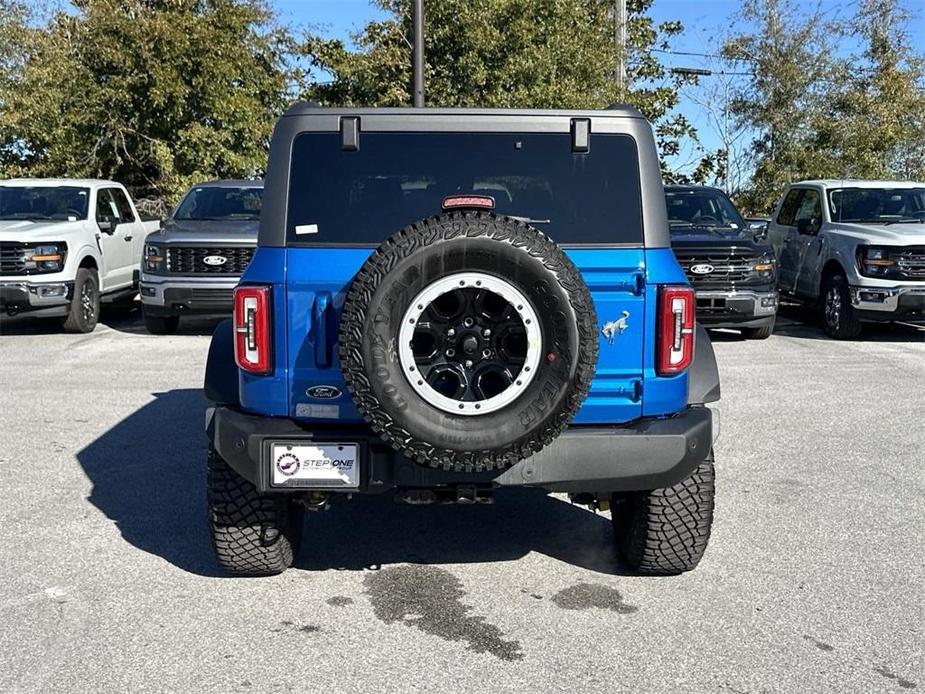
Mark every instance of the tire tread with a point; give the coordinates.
(666, 531)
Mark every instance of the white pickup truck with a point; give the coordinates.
(67, 244)
(855, 247)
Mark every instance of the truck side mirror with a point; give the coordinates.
(107, 226)
(759, 230)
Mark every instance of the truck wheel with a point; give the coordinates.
(161, 325)
(665, 531)
(468, 341)
(84, 312)
(252, 534)
(760, 333)
(837, 312)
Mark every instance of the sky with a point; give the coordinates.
(705, 23)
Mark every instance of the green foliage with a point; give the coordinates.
(154, 93)
(510, 53)
(819, 111)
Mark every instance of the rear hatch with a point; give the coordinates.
(343, 202)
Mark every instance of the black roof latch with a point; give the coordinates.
(350, 133)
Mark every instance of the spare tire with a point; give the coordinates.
(468, 341)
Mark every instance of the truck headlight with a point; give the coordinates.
(155, 258)
(46, 257)
(765, 265)
(875, 262)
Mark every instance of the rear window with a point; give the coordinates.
(394, 179)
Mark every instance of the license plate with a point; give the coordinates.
(315, 464)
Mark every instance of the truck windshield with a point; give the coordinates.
(394, 179)
(44, 203)
(219, 202)
(698, 208)
(877, 205)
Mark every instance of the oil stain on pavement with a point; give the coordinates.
(429, 598)
(585, 596)
(339, 601)
(901, 681)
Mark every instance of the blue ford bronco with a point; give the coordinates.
(445, 302)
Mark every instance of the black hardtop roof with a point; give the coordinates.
(309, 108)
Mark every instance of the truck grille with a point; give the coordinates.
(11, 261)
(726, 268)
(190, 260)
(910, 262)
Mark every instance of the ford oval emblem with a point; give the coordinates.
(704, 269)
(323, 392)
(215, 260)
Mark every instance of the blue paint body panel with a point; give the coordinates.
(310, 285)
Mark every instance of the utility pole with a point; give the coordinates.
(619, 19)
(418, 53)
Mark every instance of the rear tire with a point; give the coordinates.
(666, 531)
(161, 325)
(84, 312)
(761, 333)
(252, 534)
(838, 315)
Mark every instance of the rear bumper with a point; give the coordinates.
(37, 298)
(645, 454)
(736, 308)
(163, 295)
(889, 303)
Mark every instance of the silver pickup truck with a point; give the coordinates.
(855, 247)
(193, 263)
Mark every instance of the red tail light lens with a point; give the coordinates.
(676, 308)
(252, 329)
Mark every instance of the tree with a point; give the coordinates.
(510, 53)
(875, 120)
(154, 93)
(789, 56)
(821, 110)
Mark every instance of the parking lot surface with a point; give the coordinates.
(813, 581)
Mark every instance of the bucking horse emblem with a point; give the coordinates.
(615, 327)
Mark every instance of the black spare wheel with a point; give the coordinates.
(468, 340)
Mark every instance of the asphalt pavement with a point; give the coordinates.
(813, 581)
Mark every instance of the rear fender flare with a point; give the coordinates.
(703, 377)
(221, 382)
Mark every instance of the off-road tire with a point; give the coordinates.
(161, 325)
(416, 257)
(252, 534)
(666, 531)
(84, 311)
(838, 317)
(760, 333)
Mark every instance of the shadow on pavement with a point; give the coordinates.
(148, 475)
(123, 317)
(804, 321)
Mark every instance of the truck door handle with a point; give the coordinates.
(321, 311)
(128, 238)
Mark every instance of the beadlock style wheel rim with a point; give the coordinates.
(469, 343)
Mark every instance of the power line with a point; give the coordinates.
(717, 56)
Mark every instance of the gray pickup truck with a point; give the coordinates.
(855, 247)
(192, 264)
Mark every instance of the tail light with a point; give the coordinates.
(676, 308)
(252, 329)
